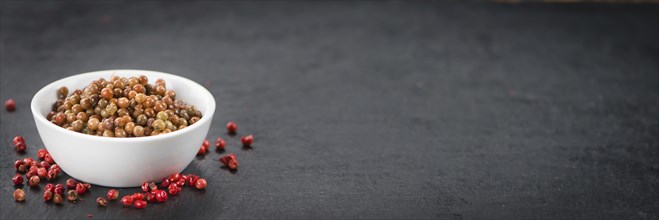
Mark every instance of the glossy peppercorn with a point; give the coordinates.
(247, 140)
(200, 183)
(161, 195)
(34, 181)
(113, 194)
(220, 143)
(71, 183)
(232, 127)
(10, 105)
(127, 200)
(140, 204)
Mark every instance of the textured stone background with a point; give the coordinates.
(372, 109)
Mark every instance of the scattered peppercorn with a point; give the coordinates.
(219, 143)
(19, 143)
(72, 196)
(161, 195)
(200, 183)
(140, 204)
(247, 140)
(57, 199)
(41, 153)
(121, 107)
(81, 189)
(19, 195)
(34, 181)
(145, 186)
(138, 196)
(59, 189)
(151, 196)
(47, 195)
(18, 179)
(232, 128)
(230, 161)
(127, 200)
(174, 189)
(10, 105)
(102, 201)
(71, 183)
(113, 194)
(42, 172)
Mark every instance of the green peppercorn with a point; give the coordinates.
(162, 116)
(159, 125)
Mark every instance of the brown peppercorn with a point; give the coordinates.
(72, 196)
(123, 102)
(19, 195)
(107, 93)
(57, 199)
(102, 201)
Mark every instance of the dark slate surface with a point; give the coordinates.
(373, 110)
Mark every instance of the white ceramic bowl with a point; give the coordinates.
(123, 162)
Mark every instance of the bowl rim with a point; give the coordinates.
(210, 109)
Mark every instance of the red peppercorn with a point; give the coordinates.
(42, 172)
(87, 185)
(219, 143)
(50, 187)
(28, 161)
(161, 195)
(19, 143)
(233, 164)
(81, 189)
(138, 196)
(19, 195)
(55, 168)
(59, 189)
(113, 194)
(174, 189)
(20, 166)
(225, 159)
(127, 201)
(151, 196)
(102, 201)
(18, 179)
(145, 187)
(17, 140)
(71, 183)
(34, 181)
(48, 158)
(202, 151)
(247, 140)
(45, 164)
(192, 179)
(230, 161)
(51, 175)
(174, 177)
(47, 195)
(10, 105)
(206, 144)
(200, 183)
(140, 204)
(232, 127)
(165, 183)
(41, 153)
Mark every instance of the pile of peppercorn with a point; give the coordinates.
(122, 107)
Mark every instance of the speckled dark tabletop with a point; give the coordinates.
(372, 110)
